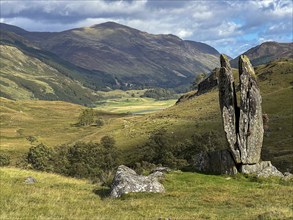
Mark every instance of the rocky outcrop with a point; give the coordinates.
(217, 162)
(127, 180)
(261, 169)
(243, 125)
(209, 83)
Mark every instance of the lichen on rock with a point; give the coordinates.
(243, 125)
(127, 180)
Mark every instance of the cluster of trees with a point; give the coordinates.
(89, 117)
(160, 94)
(95, 161)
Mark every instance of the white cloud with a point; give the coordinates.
(226, 25)
(184, 33)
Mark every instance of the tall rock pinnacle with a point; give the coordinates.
(243, 125)
(228, 105)
(250, 137)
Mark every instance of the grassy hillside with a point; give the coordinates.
(25, 77)
(188, 196)
(53, 122)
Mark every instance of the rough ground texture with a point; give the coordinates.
(127, 180)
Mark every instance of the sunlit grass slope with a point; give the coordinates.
(188, 196)
(53, 122)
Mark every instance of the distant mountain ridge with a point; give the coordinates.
(133, 57)
(105, 56)
(266, 52)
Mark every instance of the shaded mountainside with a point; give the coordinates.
(132, 56)
(266, 52)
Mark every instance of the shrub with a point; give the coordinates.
(108, 142)
(40, 157)
(160, 149)
(31, 139)
(4, 160)
(100, 122)
(92, 160)
(86, 117)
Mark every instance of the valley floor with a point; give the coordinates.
(188, 196)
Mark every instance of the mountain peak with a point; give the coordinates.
(266, 52)
(110, 24)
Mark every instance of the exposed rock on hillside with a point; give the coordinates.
(204, 86)
(127, 180)
(209, 83)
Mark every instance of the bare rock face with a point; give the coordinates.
(250, 136)
(127, 180)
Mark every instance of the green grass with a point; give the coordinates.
(188, 196)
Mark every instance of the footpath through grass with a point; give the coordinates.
(188, 196)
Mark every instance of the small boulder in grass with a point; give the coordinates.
(127, 180)
(288, 176)
(161, 169)
(30, 180)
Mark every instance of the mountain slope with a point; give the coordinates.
(25, 77)
(28, 72)
(134, 57)
(266, 52)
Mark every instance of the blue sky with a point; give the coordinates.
(231, 27)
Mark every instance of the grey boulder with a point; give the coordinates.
(261, 169)
(30, 180)
(127, 180)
